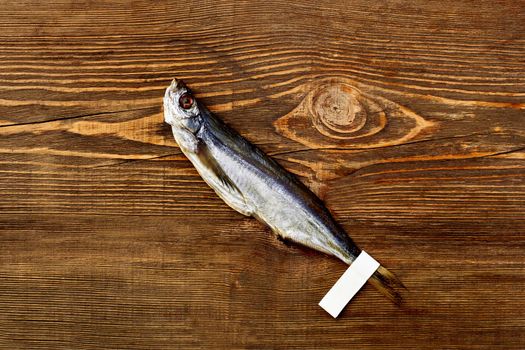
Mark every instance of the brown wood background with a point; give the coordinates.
(407, 117)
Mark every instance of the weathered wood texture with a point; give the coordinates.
(406, 117)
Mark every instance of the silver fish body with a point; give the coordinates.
(254, 184)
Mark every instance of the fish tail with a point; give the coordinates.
(388, 285)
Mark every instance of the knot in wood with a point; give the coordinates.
(338, 107)
(339, 112)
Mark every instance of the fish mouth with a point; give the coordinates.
(170, 99)
(176, 84)
(173, 90)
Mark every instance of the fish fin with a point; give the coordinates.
(285, 241)
(222, 184)
(388, 285)
(210, 163)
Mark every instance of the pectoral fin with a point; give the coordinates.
(221, 182)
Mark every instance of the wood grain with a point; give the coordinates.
(407, 118)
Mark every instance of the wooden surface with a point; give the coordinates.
(406, 117)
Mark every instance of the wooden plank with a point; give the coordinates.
(406, 118)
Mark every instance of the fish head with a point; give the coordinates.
(181, 109)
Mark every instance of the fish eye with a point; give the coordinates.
(186, 100)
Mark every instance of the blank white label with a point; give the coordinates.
(349, 284)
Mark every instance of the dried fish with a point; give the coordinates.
(256, 185)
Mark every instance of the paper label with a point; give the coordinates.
(349, 284)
